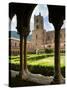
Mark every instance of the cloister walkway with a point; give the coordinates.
(36, 78)
(56, 17)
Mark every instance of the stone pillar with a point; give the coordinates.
(23, 32)
(26, 33)
(21, 56)
(58, 78)
(25, 61)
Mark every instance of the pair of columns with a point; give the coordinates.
(58, 78)
(23, 61)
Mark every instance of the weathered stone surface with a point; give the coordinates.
(37, 78)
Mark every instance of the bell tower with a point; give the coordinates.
(38, 34)
(38, 22)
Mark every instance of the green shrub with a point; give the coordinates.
(49, 50)
(62, 51)
(31, 52)
(47, 71)
(41, 51)
(40, 56)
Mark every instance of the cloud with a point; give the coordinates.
(14, 24)
(47, 25)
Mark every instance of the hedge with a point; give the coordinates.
(47, 71)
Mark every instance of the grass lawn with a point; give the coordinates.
(46, 62)
(42, 63)
(41, 60)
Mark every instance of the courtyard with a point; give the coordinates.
(37, 64)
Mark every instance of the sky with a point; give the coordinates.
(41, 8)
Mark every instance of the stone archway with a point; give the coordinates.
(23, 13)
(23, 29)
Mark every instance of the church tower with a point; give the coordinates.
(38, 34)
(38, 22)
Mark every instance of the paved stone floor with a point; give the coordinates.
(35, 78)
(29, 79)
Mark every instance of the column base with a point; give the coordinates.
(22, 76)
(58, 79)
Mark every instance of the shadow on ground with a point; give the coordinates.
(15, 82)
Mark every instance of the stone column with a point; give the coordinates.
(21, 56)
(25, 70)
(25, 61)
(58, 78)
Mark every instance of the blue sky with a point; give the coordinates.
(41, 8)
